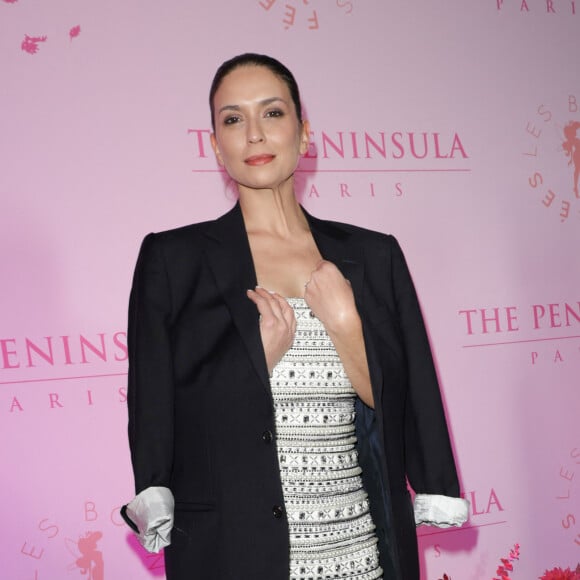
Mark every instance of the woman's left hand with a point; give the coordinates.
(329, 295)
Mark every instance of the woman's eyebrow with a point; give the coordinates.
(263, 102)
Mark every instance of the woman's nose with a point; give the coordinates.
(255, 133)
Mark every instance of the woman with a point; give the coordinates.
(260, 344)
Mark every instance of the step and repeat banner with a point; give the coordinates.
(453, 125)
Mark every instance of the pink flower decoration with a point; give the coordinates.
(74, 31)
(10, 1)
(560, 574)
(30, 43)
(506, 566)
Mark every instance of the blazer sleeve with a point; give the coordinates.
(150, 384)
(429, 459)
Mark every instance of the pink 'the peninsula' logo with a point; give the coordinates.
(371, 163)
(309, 14)
(553, 152)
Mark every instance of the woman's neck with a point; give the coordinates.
(274, 212)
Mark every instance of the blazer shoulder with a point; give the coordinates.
(187, 236)
(356, 234)
(180, 234)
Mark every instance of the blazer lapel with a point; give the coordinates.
(230, 259)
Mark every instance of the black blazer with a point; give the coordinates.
(201, 410)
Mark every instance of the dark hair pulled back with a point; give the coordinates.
(253, 59)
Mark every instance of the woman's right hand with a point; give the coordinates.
(277, 324)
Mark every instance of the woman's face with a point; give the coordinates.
(258, 138)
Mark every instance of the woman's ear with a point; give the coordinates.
(216, 149)
(304, 137)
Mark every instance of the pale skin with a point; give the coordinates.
(258, 139)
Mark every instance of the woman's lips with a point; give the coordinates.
(259, 159)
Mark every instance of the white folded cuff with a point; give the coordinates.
(152, 512)
(440, 510)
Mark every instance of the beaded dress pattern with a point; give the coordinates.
(331, 529)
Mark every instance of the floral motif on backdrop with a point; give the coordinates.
(506, 567)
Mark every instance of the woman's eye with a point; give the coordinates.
(231, 120)
(274, 113)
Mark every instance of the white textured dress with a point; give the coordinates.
(331, 530)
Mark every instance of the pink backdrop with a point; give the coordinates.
(452, 125)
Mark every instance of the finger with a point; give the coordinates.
(292, 322)
(320, 272)
(308, 294)
(275, 302)
(286, 311)
(281, 301)
(315, 285)
(258, 300)
(267, 306)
